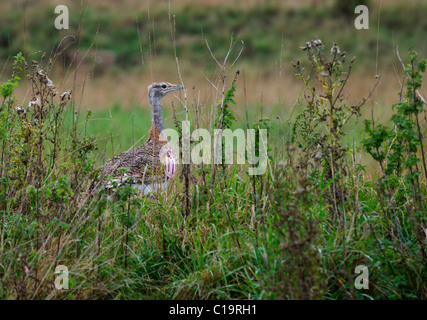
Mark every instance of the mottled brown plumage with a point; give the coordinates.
(143, 162)
(139, 160)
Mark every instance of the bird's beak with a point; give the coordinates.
(173, 88)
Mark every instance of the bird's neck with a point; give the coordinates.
(157, 124)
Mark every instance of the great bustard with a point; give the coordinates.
(145, 169)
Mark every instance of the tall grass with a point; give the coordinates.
(296, 232)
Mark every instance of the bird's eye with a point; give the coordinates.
(164, 86)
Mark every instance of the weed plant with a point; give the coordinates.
(297, 232)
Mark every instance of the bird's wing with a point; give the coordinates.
(142, 162)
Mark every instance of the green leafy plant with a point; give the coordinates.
(319, 127)
(400, 151)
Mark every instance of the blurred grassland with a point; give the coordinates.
(269, 29)
(123, 46)
(130, 42)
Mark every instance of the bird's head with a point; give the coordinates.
(163, 88)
